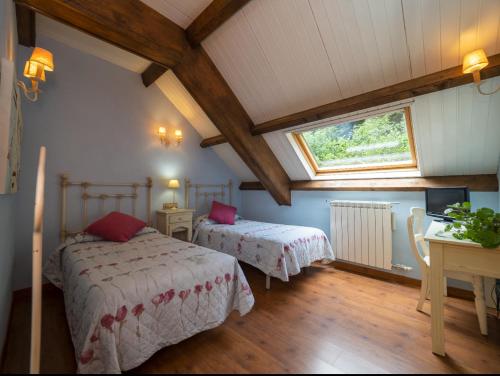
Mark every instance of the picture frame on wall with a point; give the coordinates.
(11, 128)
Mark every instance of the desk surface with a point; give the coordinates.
(436, 233)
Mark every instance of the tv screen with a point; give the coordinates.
(438, 199)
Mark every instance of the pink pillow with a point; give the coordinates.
(116, 227)
(223, 214)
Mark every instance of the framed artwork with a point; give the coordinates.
(11, 127)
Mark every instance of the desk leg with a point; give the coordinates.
(437, 293)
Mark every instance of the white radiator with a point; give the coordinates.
(361, 232)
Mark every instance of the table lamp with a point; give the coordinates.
(173, 184)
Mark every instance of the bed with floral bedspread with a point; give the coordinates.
(278, 250)
(125, 301)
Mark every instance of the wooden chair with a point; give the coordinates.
(420, 250)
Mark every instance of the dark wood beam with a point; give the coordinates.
(26, 26)
(135, 27)
(442, 80)
(204, 82)
(128, 24)
(212, 141)
(213, 16)
(152, 73)
(480, 183)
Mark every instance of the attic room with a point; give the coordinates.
(250, 186)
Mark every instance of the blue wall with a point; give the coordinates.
(312, 209)
(7, 50)
(99, 123)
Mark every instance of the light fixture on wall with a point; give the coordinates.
(473, 63)
(40, 61)
(173, 185)
(164, 139)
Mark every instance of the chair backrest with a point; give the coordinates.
(415, 224)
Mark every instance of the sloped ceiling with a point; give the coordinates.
(284, 56)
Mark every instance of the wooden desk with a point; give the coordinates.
(450, 254)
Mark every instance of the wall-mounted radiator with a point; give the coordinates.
(361, 232)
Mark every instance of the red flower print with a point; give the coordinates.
(158, 299)
(169, 295)
(228, 277)
(246, 289)
(138, 310)
(98, 267)
(121, 314)
(107, 322)
(208, 286)
(86, 356)
(184, 294)
(235, 277)
(84, 271)
(239, 247)
(95, 335)
(287, 248)
(218, 280)
(198, 289)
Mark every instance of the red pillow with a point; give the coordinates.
(116, 227)
(223, 214)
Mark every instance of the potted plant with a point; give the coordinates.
(481, 226)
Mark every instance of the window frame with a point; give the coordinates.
(318, 171)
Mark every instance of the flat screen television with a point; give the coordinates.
(438, 199)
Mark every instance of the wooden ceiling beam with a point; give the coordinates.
(442, 80)
(204, 82)
(133, 26)
(479, 183)
(430, 83)
(212, 17)
(212, 141)
(128, 24)
(26, 26)
(152, 73)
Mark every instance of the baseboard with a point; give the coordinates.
(396, 278)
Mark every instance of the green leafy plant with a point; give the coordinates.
(481, 226)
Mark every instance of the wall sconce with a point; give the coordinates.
(173, 185)
(40, 61)
(473, 63)
(162, 133)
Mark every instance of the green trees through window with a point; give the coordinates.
(378, 140)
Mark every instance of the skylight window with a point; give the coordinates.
(379, 142)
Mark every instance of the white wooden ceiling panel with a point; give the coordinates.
(283, 150)
(173, 89)
(182, 12)
(450, 33)
(457, 131)
(234, 162)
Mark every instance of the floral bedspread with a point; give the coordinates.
(278, 250)
(125, 301)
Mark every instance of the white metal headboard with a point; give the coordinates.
(86, 195)
(204, 194)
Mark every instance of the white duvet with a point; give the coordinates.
(125, 301)
(278, 250)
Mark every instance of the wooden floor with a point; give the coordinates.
(326, 321)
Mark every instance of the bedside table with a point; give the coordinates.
(173, 222)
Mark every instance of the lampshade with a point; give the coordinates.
(178, 133)
(34, 70)
(173, 184)
(474, 61)
(43, 57)
(162, 131)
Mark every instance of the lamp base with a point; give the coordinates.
(170, 205)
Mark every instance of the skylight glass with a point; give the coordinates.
(383, 141)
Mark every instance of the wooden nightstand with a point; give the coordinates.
(175, 223)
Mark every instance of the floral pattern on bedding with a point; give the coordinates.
(278, 250)
(125, 301)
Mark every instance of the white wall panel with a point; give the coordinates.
(182, 12)
(457, 131)
(235, 163)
